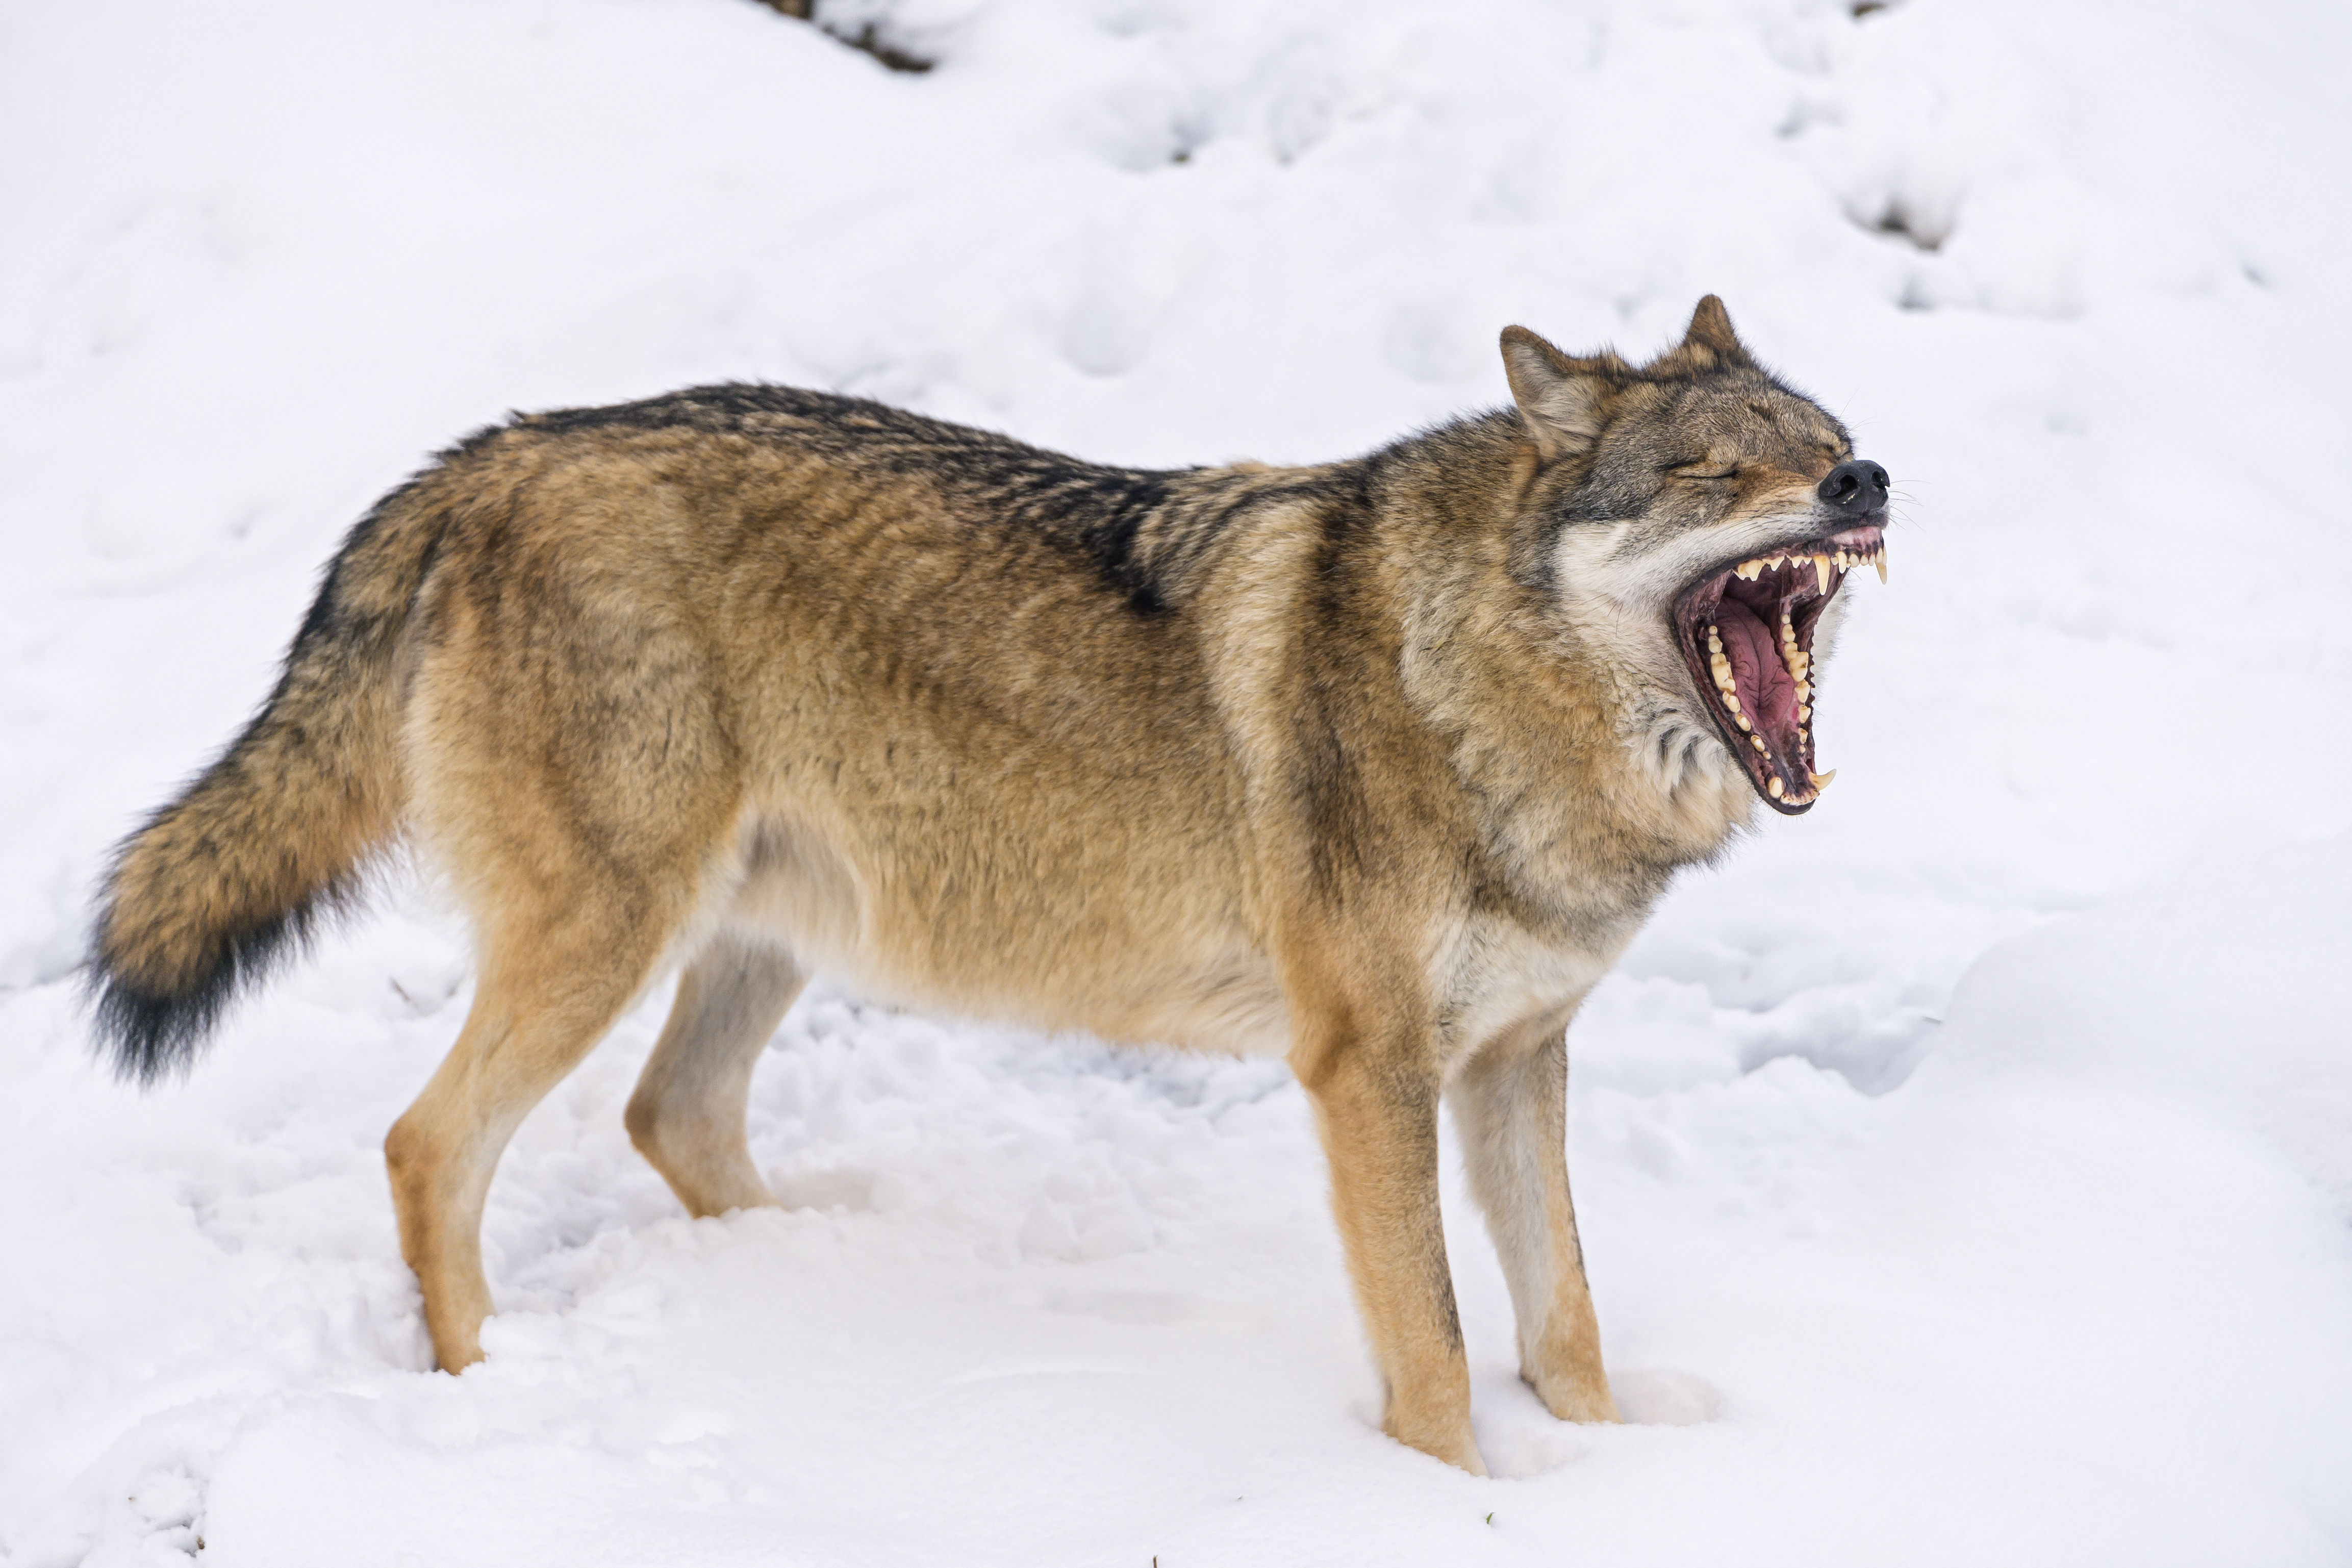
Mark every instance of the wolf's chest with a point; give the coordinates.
(1498, 973)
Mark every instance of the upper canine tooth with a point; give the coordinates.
(1822, 572)
(1881, 559)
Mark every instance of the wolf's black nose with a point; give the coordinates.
(1855, 487)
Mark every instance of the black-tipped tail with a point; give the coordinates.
(149, 1031)
(236, 876)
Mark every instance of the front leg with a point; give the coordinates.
(1376, 1104)
(1510, 1105)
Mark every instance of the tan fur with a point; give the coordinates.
(1378, 770)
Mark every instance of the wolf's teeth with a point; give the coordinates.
(1759, 740)
(1804, 713)
(1749, 570)
(1822, 781)
(1822, 572)
(1774, 785)
(1741, 720)
(1880, 561)
(1731, 700)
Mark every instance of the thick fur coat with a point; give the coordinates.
(1377, 765)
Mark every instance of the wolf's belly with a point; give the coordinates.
(1151, 960)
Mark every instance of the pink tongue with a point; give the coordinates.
(1768, 693)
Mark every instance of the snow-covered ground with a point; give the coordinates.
(1966, 1168)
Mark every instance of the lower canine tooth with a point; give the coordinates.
(1822, 781)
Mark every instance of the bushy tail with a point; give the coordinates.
(228, 878)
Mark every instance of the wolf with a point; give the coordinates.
(1377, 765)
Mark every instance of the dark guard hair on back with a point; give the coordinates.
(1140, 528)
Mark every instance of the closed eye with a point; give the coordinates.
(1724, 474)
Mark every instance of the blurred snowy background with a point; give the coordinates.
(1966, 1168)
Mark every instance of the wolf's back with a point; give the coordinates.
(220, 884)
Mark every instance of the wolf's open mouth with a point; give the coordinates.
(1747, 633)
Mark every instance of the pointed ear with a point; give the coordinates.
(1559, 398)
(1710, 334)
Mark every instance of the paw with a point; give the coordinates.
(456, 1361)
(1445, 1437)
(1461, 1453)
(1573, 1398)
(455, 1351)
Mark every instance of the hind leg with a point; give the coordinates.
(686, 1115)
(543, 1003)
(568, 765)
